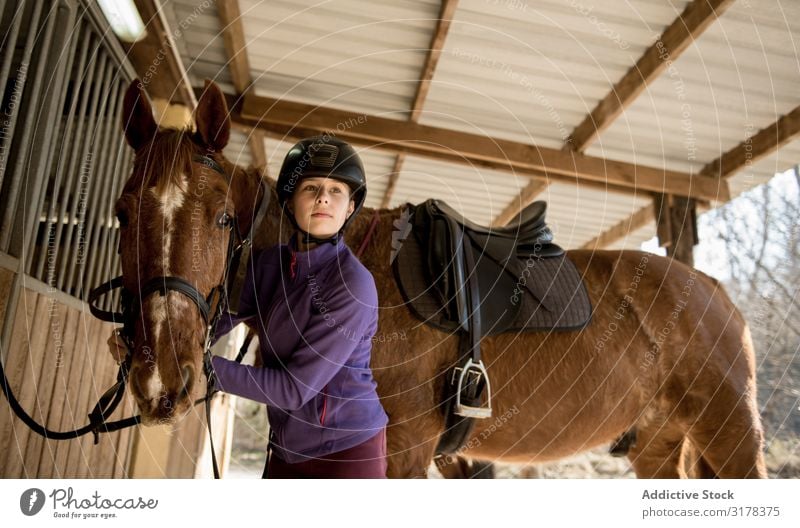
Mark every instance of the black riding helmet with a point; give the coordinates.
(327, 157)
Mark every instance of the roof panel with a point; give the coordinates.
(359, 56)
(540, 68)
(477, 193)
(519, 70)
(739, 77)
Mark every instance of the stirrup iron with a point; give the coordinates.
(478, 370)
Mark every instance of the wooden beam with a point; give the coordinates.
(675, 40)
(393, 177)
(294, 118)
(526, 197)
(663, 224)
(230, 17)
(621, 229)
(257, 150)
(765, 142)
(446, 13)
(683, 220)
(233, 36)
(754, 148)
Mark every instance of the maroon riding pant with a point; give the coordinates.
(365, 460)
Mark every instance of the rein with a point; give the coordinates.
(210, 307)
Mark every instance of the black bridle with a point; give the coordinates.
(211, 307)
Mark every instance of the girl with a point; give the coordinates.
(316, 308)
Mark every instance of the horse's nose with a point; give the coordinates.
(187, 376)
(133, 380)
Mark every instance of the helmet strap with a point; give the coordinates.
(308, 238)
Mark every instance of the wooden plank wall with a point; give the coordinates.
(58, 366)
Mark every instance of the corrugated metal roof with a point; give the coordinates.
(360, 56)
(531, 72)
(524, 71)
(198, 36)
(479, 194)
(740, 76)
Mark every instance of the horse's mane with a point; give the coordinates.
(167, 158)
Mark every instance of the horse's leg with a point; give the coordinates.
(409, 450)
(694, 464)
(453, 467)
(457, 467)
(730, 441)
(657, 453)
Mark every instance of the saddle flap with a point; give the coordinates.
(438, 243)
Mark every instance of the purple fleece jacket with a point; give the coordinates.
(318, 311)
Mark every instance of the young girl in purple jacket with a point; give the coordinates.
(317, 308)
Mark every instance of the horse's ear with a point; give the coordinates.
(137, 116)
(212, 118)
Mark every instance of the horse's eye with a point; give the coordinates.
(123, 219)
(224, 220)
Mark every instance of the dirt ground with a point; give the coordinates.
(247, 458)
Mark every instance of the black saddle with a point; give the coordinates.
(459, 276)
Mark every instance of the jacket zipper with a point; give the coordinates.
(324, 405)
(274, 305)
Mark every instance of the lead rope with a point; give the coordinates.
(211, 382)
(373, 224)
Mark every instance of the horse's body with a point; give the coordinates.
(666, 351)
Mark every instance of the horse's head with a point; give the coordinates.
(180, 210)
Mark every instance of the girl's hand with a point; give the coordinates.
(117, 346)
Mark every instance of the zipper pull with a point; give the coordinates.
(293, 265)
(324, 405)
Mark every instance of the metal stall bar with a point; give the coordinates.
(9, 44)
(99, 223)
(84, 83)
(112, 174)
(10, 195)
(87, 207)
(54, 219)
(78, 191)
(59, 63)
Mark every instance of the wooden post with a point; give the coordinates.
(676, 221)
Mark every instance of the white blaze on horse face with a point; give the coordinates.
(171, 202)
(158, 313)
(158, 306)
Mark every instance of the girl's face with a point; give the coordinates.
(321, 205)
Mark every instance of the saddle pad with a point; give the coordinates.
(565, 306)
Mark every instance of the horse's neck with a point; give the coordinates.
(378, 248)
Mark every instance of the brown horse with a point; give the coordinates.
(666, 352)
